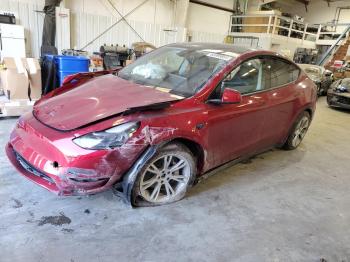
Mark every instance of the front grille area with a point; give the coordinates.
(343, 100)
(32, 169)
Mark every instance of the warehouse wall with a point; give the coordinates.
(208, 24)
(85, 27)
(90, 18)
(25, 11)
(152, 22)
(203, 23)
(157, 21)
(153, 11)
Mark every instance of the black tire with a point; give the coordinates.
(319, 90)
(329, 101)
(177, 151)
(291, 140)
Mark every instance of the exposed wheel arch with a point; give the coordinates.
(308, 110)
(124, 188)
(165, 177)
(292, 122)
(195, 148)
(288, 145)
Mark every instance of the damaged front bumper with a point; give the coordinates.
(65, 181)
(62, 167)
(341, 100)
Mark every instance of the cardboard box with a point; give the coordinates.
(128, 62)
(347, 74)
(338, 75)
(14, 79)
(21, 78)
(34, 74)
(15, 108)
(257, 21)
(261, 18)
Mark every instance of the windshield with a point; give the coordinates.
(178, 70)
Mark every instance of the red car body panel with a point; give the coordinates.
(221, 132)
(96, 99)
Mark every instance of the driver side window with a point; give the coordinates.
(246, 78)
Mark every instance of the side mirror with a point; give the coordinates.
(231, 96)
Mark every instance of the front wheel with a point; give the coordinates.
(298, 131)
(166, 177)
(329, 102)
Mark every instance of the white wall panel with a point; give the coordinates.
(63, 28)
(208, 20)
(198, 36)
(85, 26)
(31, 20)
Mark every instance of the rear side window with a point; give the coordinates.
(278, 72)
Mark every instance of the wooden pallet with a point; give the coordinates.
(14, 107)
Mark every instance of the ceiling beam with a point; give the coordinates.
(305, 2)
(199, 2)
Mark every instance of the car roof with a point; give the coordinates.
(240, 51)
(224, 47)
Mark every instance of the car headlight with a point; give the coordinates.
(341, 88)
(109, 138)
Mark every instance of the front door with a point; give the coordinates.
(234, 130)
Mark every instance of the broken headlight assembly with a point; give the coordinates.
(109, 138)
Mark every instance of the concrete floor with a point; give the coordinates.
(281, 206)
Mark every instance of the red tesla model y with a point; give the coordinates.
(154, 128)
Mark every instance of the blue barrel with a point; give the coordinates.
(70, 65)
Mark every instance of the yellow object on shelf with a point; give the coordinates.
(228, 39)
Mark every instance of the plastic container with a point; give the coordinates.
(70, 65)
(62, 75)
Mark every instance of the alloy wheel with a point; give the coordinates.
(165, 179)
(300, 131)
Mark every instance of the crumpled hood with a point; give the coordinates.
(95, 100)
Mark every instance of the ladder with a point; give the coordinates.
(334, 48)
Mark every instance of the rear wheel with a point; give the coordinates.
(298, 132)
(166, 177)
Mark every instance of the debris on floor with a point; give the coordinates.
(55, 220)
